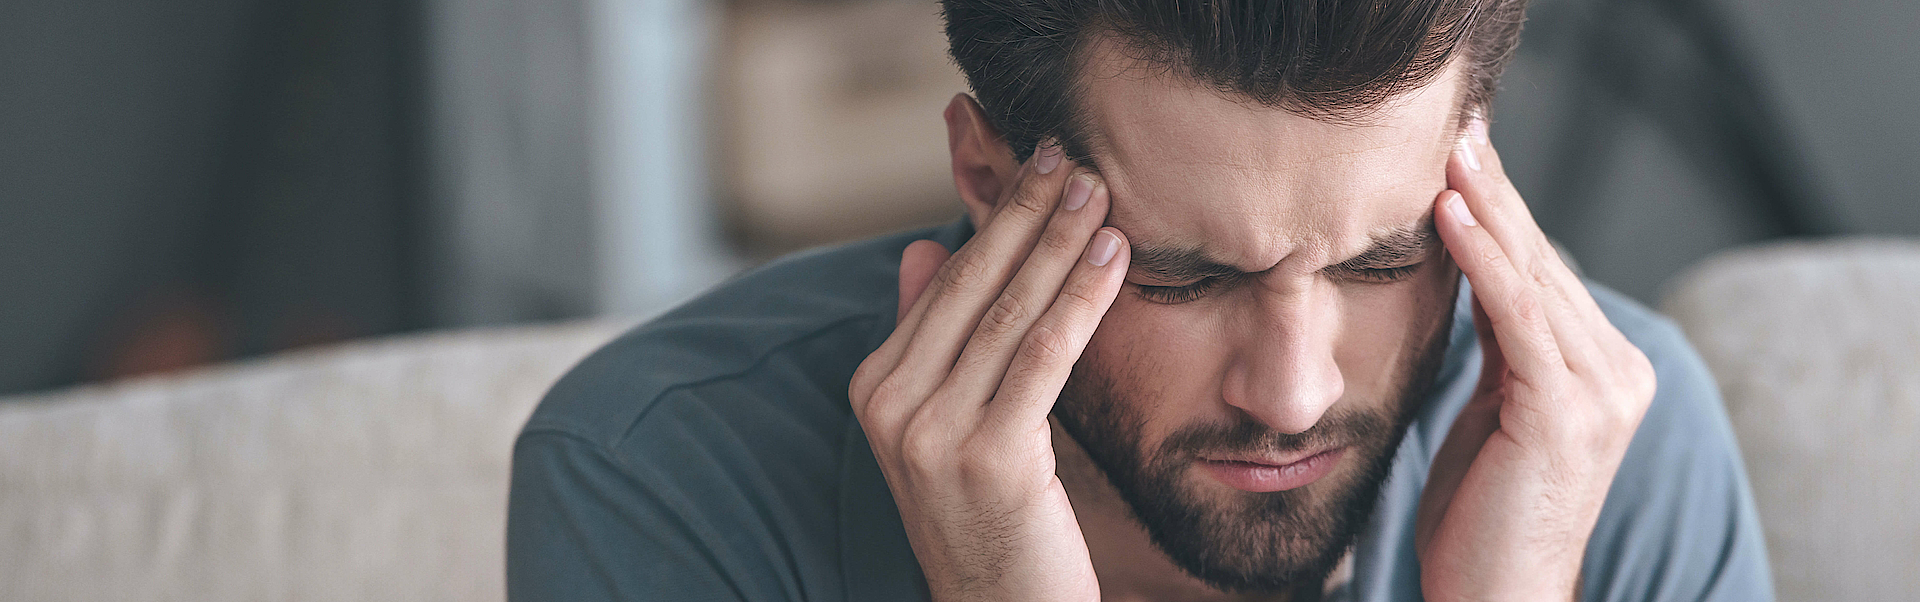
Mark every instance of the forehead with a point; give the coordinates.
(1253, 186)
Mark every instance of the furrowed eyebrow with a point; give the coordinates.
(1394, 248)
(1178, 264)
(1390, 249)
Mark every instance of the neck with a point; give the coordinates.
(1129, 566)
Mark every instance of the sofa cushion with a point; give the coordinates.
(1816, 346)
(367, 471)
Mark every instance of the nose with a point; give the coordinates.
(1283, 373)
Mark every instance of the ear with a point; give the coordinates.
(983, 166)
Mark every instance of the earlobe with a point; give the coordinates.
(983, 166)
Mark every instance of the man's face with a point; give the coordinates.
(1286, 307)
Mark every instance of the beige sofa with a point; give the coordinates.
(1817, 350)
(378, 470)
(369, 471)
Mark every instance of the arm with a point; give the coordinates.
(581, 527)
(1679, 524)
(955, 402)
(1518, 485)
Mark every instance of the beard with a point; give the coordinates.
(1275, 542)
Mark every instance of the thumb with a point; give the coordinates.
(1493, 367)
(918, 264)
(1470, 431)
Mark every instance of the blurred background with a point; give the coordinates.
(204, 180)
(510, 183)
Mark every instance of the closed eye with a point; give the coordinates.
(1379, 275)
(1175, 295)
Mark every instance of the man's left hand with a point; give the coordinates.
(1517, 486)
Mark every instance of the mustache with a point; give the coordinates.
(1250, 436)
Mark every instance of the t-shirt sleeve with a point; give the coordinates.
(1679, 523)
(580, 527)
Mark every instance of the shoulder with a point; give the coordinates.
(711, 452)
(1679, 522)
(1686, 415)
(777, 330)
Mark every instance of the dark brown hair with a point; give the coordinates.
(1325, 59)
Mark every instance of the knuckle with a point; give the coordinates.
(1621, 419)
(1031, 201)
(1541, 274)
(979, 458)
(1549, 347)
(1489, 254)
(865, 379)
(1646, 380)
(1605, 423)
(1526, 309)
(924, 444)
(965, 267)
(1046, 344)
(1079, 299)
(890, 391)
(1060, 241)
(1610, 430)
(1006, 314)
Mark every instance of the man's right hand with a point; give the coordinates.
(955, 403)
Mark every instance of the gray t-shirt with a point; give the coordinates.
(711, 455)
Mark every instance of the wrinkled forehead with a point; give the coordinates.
(1191, 166)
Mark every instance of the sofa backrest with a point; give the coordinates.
(368, 471)
(1816, 346)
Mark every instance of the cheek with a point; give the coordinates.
(1385, 330)
(1165, 362)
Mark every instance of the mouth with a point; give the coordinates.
(1266, 475)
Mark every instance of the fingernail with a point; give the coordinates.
(1047, 158)
(1458, 207)
(1079, 189)
(1466, 154)
(1105, 244)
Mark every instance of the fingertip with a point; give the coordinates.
(1080, 189)
(1454, 206)
(1105, 247)
(1468, 155)
(1047, 156)
(918, 263)
(1126, 249)
(922, 251)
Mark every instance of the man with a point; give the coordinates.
(1209, 341)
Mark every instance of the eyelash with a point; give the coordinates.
(1385, 275)
(1175, 295)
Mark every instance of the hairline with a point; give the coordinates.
(1082, 146)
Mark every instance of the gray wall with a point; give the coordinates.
(319, 169)
(1835, 78)
(244, 162)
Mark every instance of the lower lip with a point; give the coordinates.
(1267, 478)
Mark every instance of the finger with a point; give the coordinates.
(973, 277)
(1050, 348)
(1514, 310)
(917, 265)
(996, 338)
(1478, 173)
(1493, 365)
(1503, 216)
(971, 264)
(1483, 176)
(1471, 428)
